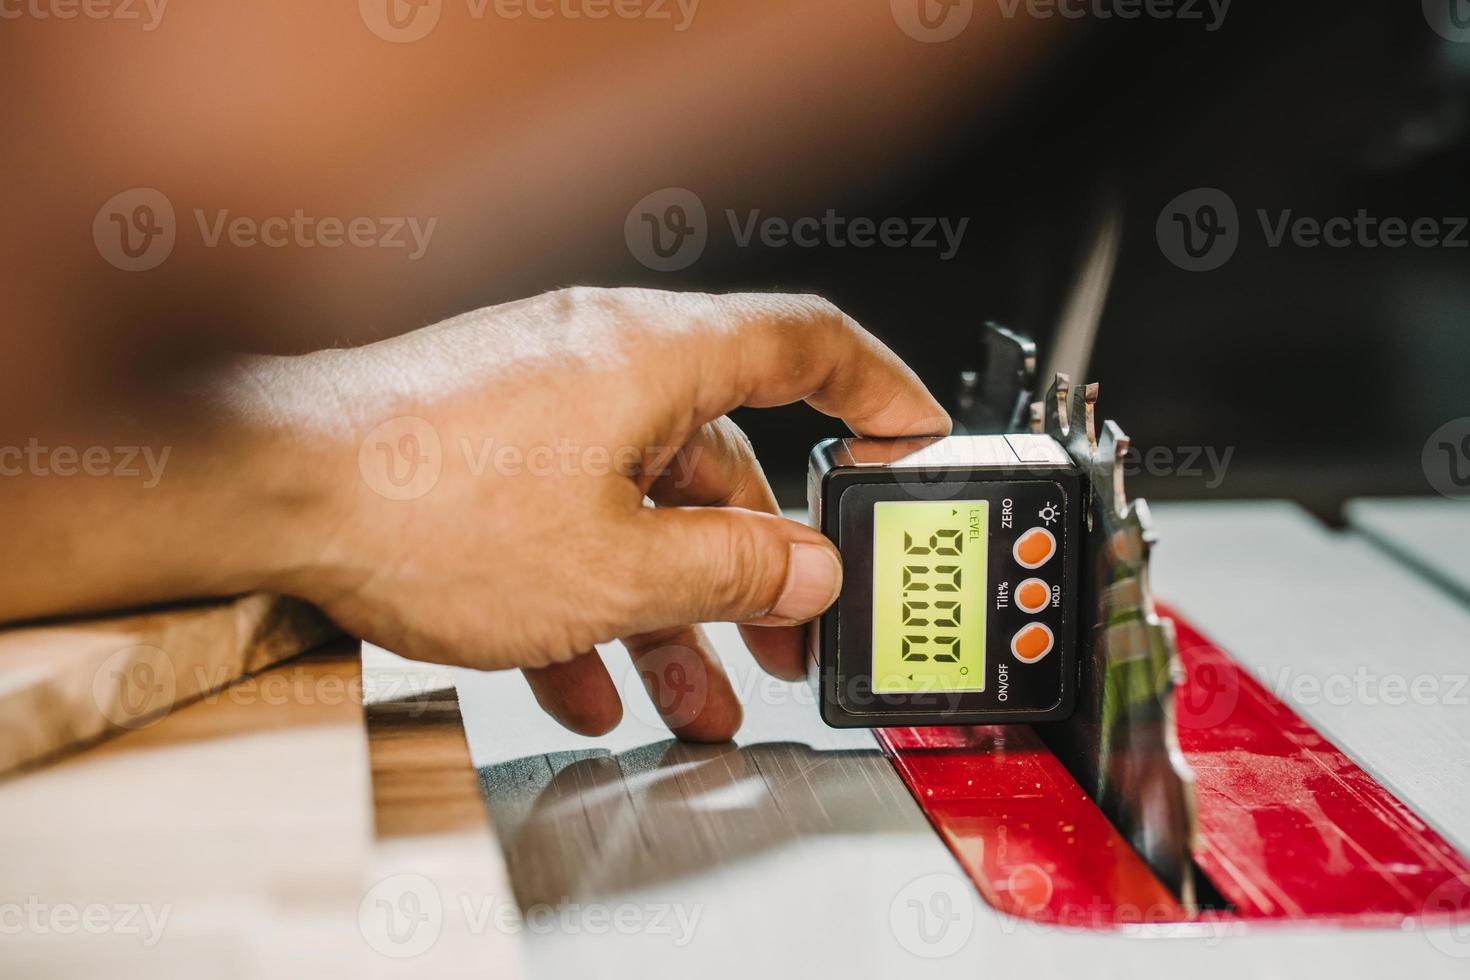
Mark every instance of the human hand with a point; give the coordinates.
(505, 457)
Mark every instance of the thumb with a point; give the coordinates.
(725, 564)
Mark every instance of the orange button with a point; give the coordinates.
(1033, 595)
(1034, 548)
(1032, 643)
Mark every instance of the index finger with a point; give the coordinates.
(765, 349)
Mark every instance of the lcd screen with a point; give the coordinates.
(929, 560)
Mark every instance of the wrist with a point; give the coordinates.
(295, 468)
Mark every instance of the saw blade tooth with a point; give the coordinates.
(1089, 414)
(1037, 418)
(1081, 438)
(1112, 450)
(1079, 415)
(1140, 514)
(1055, 407)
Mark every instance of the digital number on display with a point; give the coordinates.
(929, 560)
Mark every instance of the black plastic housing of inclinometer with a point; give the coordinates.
(941, 619)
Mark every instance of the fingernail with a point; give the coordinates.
(813, 579)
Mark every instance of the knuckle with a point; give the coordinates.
(815, 309)
(576, 297)
(740, 579)
(738, 443)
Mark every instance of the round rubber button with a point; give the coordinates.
(1033, 595)
(1034, 548)
(1032, 642)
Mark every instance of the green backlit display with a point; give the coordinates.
(929, 595)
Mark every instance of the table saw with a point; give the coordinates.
(799, 848)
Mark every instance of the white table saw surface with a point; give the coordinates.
(1431, 534)
(785, 853)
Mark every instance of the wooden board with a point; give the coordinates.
(71, 682)
(276, 828)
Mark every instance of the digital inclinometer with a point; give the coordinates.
(959, 593)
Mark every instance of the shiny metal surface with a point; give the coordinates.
(1122, 745)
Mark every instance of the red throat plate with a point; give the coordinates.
(1291, 829)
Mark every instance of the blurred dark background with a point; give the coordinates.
(1321, 372)
(1325, 369)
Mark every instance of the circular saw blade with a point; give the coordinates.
(1122, 744)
